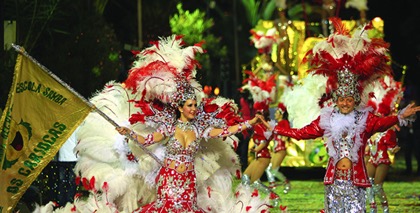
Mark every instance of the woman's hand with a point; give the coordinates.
(123, 130)
(258, 118)
(410, 110)
(395, 149)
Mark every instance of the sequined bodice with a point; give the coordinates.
(175, 150)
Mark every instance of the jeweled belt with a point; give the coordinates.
(179, 166)
(343, 174)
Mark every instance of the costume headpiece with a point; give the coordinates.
(281, 107)
(386, 95)
(349, 62)
(263, 39)
(165, 71)
(184, 92)
(262, 92)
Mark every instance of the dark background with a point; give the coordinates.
(119, 20)
(401, 29)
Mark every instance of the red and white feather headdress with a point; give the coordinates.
(387, 93)
(165, 71)
(349, 61)
(262, 92)
(264, 40)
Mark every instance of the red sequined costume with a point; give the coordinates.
(176, 180)
(378, 148)
(261, 136)
(279, 143)
(366, 125)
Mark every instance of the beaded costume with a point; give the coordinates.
(176, 180)
(365, 124)
(388, 93)
(351, 63)
(379, 146)
(260, 136)
(279, 142)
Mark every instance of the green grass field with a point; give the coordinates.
(307, 194)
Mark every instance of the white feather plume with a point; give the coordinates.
(302, 100)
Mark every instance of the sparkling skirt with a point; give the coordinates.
(176, 192)
(343, 196)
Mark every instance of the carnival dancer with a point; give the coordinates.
(388, 93)
(262, 93)
(278, 153)
(351, 63)
(176, 180)
(192, 166)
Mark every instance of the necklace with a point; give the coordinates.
(184, 125)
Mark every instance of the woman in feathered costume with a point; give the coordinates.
(351, 63)
(189, 170)
(387, 94)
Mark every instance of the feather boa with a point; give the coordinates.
(335, 124)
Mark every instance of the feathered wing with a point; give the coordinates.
(384, 95)
(121, 165)
(302, 101)
(216, 163)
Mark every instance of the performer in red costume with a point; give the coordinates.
(183, 125)
(378, 166)
(262, 135)
(388, 93)
(262, 94)
(176, 180)
(351, 63)
(279, 152)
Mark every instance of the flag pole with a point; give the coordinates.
(106, 117)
